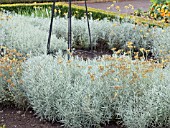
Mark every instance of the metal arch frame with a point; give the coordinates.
(50, 30)
(69, 27)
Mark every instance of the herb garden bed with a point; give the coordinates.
(127, 86)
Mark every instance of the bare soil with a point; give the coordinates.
(12, 117)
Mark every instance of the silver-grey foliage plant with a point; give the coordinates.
(147, 103)
(23, 34)
(30, 35)
(58, 90)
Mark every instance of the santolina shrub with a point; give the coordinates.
(146, 103)
(25, 35)
(116, 34)
(86, 93)
(10, 76)
(63, 90)
(15, 34)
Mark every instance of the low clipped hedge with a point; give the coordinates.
(62, 8)
(25, 1)
(39, 1)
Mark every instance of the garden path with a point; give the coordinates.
(138, 4)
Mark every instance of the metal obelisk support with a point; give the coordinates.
(91, 47)
(51, 25)
(69, 28)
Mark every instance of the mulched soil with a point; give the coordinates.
(87, 54)
(13, 117)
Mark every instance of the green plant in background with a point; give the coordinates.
(160, 1)
(3, 126)
(26, 1)
(160, 10)
(138, 12)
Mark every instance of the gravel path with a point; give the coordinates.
(138, 4)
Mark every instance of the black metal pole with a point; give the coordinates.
(91, 47)
(69, 28)
(51, 25)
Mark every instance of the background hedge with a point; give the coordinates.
(27, 1)
(96, 13)
(40, 1)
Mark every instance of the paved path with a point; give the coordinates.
(138, 4)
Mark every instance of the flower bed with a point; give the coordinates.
(87, 93)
